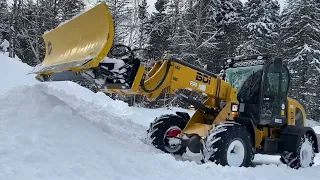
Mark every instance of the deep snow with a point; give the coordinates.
(63, 131)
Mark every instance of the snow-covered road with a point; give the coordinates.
(62, 131)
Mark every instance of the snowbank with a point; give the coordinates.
(62, 131)
(43, 137)
(14, 73)
(312, 123)
(317, 129)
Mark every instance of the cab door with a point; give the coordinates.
(274, 95)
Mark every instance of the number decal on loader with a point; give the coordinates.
(203, 78)
(202, 87)
(193, 84)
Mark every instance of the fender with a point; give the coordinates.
(291, 136)
(183, 115)
(248, 123)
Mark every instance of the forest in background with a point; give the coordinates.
(201, 32)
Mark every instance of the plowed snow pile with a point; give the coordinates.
(61, 131)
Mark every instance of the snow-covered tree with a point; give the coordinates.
(195, 38)
(4, 15)
(13, 24)
(140, 16)
(260, 27)
(4, 46)
(29, 19)
(159, 31)
(229, 19)
(50, 13)
(121, 11)
(69, 8)
(29, 29)
(301, 48)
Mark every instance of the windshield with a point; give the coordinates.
(237, 76)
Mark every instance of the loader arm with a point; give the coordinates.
(170, 75)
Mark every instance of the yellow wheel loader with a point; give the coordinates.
(247, 110)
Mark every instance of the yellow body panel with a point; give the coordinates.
(259, 136)
(200, 123)
(273, 132)
(184, 77)
(291, 112)
(198, 128)
(89, 36)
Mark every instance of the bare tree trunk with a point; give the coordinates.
(11, 29)
(54, 13)
(37, 35)
(134, 21)
(13, 26)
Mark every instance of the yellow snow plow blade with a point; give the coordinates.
(80, 43)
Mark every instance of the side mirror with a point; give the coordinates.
(120, 50)
(277, 64)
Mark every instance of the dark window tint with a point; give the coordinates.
(250, 89)
(299, 118)
(272, 85)
(284, 82)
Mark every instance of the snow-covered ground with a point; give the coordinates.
(62, 131)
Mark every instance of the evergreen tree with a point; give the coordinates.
(15, 12)
(261, 26)
(121, 11)
(301, 44)
(159, 31)
(49, 11)
(208, 32)
(229, 19)
(4, 19)
(70, 8)
(29, 32)
(173, 10)
(143, 17)
(195, 37)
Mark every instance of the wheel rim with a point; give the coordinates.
(236, 153)
(168, 137)
(306, 153)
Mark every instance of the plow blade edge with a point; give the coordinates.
(80, 43)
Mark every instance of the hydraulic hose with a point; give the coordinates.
(161, 82)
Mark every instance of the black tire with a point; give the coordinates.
(223, 136)
(298, 159)
(159, 127)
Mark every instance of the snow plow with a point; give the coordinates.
(80, 43)
(247, 110)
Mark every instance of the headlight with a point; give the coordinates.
(234, 107)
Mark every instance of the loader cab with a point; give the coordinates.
(262, 90)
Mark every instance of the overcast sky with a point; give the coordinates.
(151, 4)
